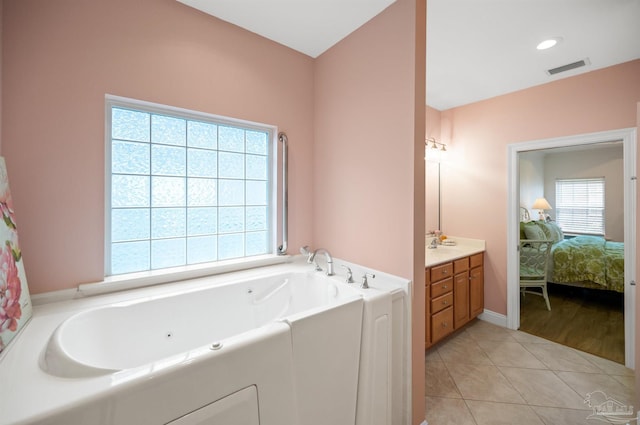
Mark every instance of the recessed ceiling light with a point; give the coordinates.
(549, 43)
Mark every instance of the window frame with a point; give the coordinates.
(584, 229)
(238, 263)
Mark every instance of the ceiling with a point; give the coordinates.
(308, 26)
(476, 49)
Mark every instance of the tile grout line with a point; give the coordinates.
(482, 335)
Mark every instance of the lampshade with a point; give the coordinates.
(541, 204)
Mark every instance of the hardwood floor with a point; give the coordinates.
(589, 320)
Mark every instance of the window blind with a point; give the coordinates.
(580, 205)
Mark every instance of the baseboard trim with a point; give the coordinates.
(494, 318)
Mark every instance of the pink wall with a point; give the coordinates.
(60, 58)
(478, 134)
(1, 19)
(366, 105)
(433, 119)
(637, 250)
(368, 155)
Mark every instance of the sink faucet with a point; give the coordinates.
(433, 244)
(327, 257)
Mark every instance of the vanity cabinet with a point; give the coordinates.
(441, 301)
(454, 294)
(476, 285)
(461, 292)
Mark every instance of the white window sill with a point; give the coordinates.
(157, 277)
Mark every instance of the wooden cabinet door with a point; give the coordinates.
(460, 299)
(476, 291)
(427, 306)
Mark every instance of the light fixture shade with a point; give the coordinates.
(541, 204)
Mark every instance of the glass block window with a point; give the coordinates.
(184, 188)
(580, 205)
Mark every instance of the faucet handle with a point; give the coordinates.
(349, 274)
(365, 283)
(305, 250)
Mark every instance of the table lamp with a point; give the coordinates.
(541, 205)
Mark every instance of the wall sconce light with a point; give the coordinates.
(541, 204)
(434, 149)
(435, 145)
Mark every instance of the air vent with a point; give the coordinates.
(568, 67)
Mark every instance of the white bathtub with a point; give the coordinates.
(279, 345)
(136, 333)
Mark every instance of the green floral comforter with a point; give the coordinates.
(589, 258)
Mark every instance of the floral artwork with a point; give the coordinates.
(15, 304)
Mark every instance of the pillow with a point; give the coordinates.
(559, 230)
(522, 234)
(552, 231)
(533, 231)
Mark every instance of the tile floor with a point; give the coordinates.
(485, 374)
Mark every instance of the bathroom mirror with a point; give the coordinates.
(432, 196)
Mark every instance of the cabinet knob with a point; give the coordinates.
(444, 286)
(444, 271)
(444, 302)
(444, 324)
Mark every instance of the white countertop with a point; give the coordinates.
(443, 254)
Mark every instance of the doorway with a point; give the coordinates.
(628, 138)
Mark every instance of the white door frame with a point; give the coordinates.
(628, 138)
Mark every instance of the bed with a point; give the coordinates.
(585, 261)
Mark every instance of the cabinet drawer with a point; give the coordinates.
(442, 324)
(441, 287)
(441, 302)
(476, 260)
(461, 265)
(442, 271)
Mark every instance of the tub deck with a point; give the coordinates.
(188, 380)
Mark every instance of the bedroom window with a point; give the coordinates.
(580, 205)
(184, 188)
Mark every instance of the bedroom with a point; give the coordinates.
(587, 316)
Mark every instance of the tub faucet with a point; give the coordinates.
(327, 257)
(306, 251)
(349, 278)
(365, 282)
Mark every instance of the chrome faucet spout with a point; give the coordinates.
(327, 257)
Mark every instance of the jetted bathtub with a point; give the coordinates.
(272, 349)
(136, 333)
